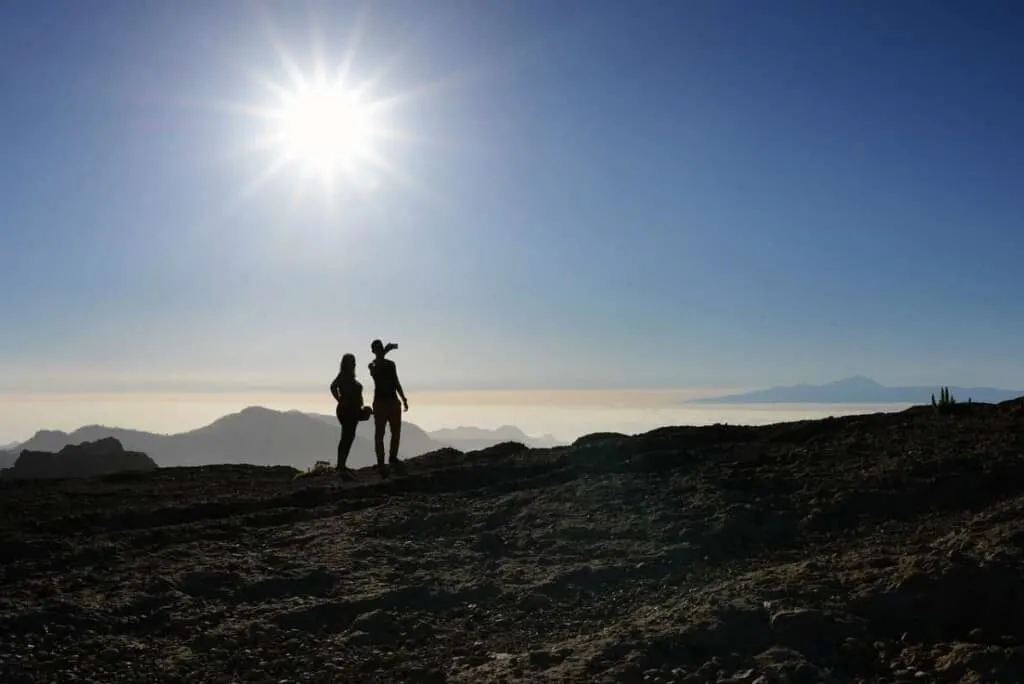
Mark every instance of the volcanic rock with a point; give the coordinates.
(88, 459)
(873, 548)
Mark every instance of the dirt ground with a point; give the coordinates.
(882, 548)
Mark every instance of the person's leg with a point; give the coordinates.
(380, 420)
(348, 436)
(395, 422)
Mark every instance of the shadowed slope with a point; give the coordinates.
(864, 548)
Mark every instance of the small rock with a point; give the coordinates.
(534, 602)
(543, 659)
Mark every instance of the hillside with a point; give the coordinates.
(879, 548)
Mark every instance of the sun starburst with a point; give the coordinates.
(330, 123)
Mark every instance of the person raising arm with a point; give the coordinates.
(389, 400)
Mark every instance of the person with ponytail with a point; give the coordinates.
(388, 402)
(350, 411)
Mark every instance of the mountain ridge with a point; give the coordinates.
(470, 438)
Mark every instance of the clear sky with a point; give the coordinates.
(563, 195)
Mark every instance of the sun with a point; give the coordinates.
(328, 121)
(327, 127)
(330, 127)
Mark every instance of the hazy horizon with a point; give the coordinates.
(565, 415)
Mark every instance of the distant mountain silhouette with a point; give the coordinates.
(858, 390)
(473, 438)
(256, 435)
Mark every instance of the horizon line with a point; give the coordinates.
(244, 389)
(177, 387)
(313, 414)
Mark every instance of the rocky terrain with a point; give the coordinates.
(88, 459)
(881, 548)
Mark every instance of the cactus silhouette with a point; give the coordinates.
(945, 402)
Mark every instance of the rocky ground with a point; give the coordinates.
(882, 548)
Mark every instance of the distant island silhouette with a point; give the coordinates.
(857, 390)
(262, 436)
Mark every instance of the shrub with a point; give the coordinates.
(318, 468)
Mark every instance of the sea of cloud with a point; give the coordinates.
(563, 414)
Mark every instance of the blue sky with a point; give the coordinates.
(590, 195)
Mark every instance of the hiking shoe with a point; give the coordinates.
(399, 466)
(383, 470)
(345, 473)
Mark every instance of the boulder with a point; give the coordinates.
(88, 459)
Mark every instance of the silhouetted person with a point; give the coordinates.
(348, 393)
(388, 402)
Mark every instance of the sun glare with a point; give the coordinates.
(329, 123)
(326, 127)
